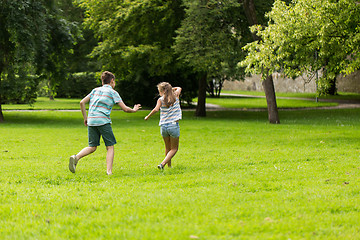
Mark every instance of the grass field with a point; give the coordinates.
(235, 177)
(250, 103)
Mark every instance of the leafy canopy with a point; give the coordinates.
(307, 36)
(209, 39)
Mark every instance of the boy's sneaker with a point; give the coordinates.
(160, 166)
(72, 163)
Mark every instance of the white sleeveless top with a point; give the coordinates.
(170, 114)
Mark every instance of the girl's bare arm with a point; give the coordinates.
(177, 91)
(155, 110)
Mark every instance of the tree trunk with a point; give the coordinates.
(330, 85)
(268, 85)
(201, 107)
(250, 13)
(332, 90)
(50, 91)
(1, 113)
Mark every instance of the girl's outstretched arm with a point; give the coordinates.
(155, 110)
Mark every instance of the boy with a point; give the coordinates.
(98, 121)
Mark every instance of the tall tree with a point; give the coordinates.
(212, 35)
(209, 41)
(63, 33)
(33, 42)
(23, 35)
(267, 83)
(307, 36)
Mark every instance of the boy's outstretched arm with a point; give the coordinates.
(83, 108)
(155, 110)
(128, 109)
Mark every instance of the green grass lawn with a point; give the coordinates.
(235, 177)
(250, 102)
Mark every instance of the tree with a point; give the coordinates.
(307, 36)
(267, 83)
(33, 43)
(211, 38)
(63, 33)
(23, 35)
(209, 41)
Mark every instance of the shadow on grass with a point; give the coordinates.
(42, 118)
(120, 119)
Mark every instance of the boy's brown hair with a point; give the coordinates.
(106, 77)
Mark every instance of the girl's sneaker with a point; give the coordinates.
(160, 166)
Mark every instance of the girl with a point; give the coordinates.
(170, 114)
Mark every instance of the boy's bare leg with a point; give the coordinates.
(109, 159)
(84, 152)
(174, 146)
(74, 159)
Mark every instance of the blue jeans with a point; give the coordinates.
(170, 129)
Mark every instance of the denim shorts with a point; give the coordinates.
(170, 129)
(94, 133)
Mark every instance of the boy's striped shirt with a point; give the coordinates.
(170, 114)
(102, 99)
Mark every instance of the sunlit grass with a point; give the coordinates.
(250, 102)
(235, 177)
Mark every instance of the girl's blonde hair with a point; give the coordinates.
(167, 90)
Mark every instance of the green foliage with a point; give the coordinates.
(35, 40)
(297, 180)
(21, 48)
(135, 43)
(209, 39)
(78, 85)
(62, 37)
(18, 89)
(307, 36)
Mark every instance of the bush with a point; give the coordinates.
(18, 89)
(78, 85)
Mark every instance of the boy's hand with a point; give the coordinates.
(85, 122)
(136, 107)
(146, 118)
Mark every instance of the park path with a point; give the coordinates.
(342, 104)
